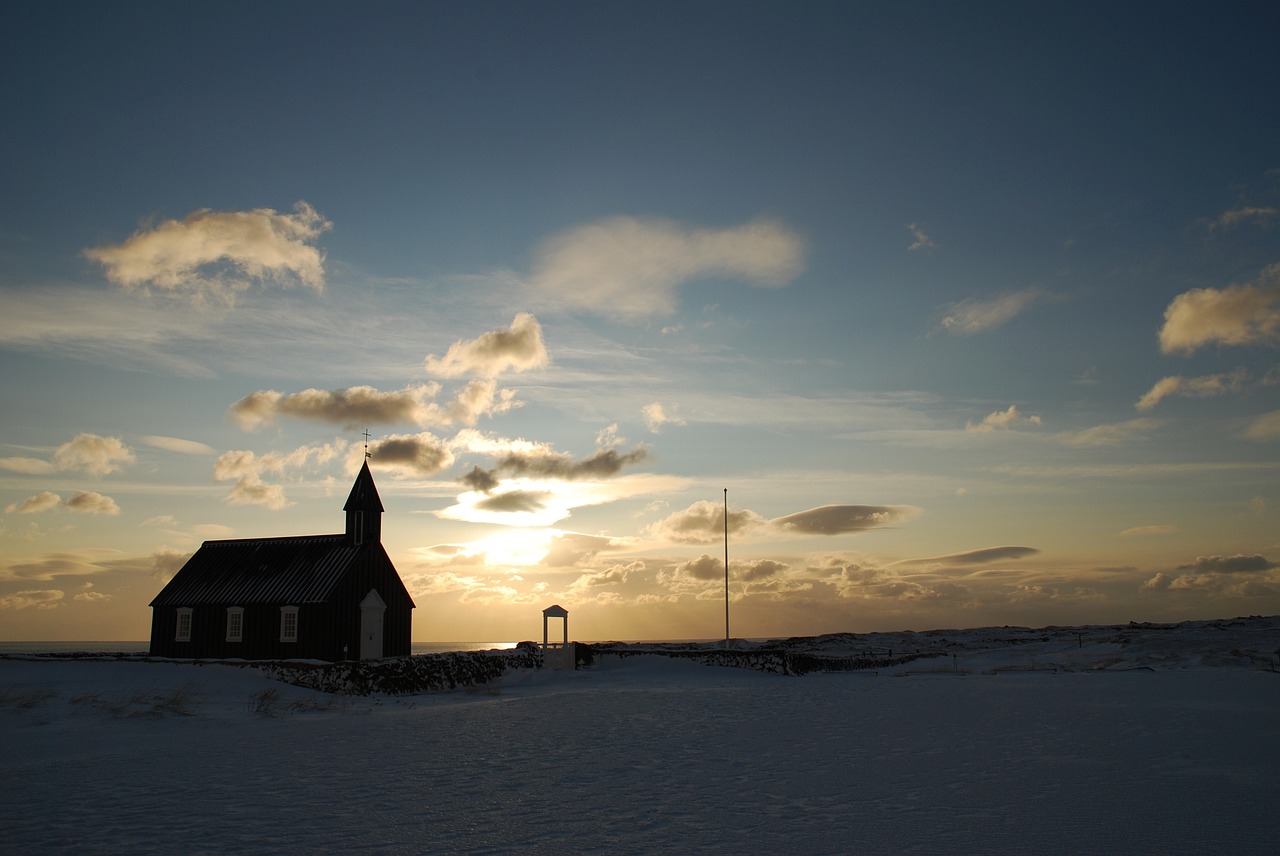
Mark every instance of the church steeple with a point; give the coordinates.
(364, 509)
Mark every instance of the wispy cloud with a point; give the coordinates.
(1205, 386)
(978, 316)
(1245, 214)
(37, 598)
(922, 241)
(1247, 314)
(1004, 420)
(1264, 427)
(219, 253)
(1111, 434)
(518, 348)
(630, 269)
(248, 468)
(1152, 529)
(657, 414)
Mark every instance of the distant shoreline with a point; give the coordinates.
(870, 638)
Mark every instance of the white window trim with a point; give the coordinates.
(238, 612)
(178, 635)
(288, 610)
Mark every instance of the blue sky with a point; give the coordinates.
(972, 308)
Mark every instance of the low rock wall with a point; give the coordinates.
(766, 660)
(404, 675)
(434, 672)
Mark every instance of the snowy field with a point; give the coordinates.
(1074, 741)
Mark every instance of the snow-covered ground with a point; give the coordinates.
(1115, 740)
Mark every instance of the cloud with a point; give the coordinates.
(1234, 315)
(480, 480)
(49, 566)
(86, 453)
(179, 446)
(89, 502)
(38, 598)
(978, 316)
(351, 407)
(92, 597)
(842, 519)
(1109, 435)
(481, 397)
(704, 523)
(219, 253)
(518, 348)
(630, 269)
(1244, 214)
(982, 556)
(613, 575)
(1205, 386)
(1238, 564)
(45, 500)
(545, 463)
(516, 502)
(656, 415)
(702, 568)
(86, 502)
(238, 462)
(89, 453)
(922, 241)
(1002, 420)
(1264, 427)
(573, 548)
(413, 455)
(250, 490)
(758, 570)
(1155, 529)
(26, 466)
(247, 468)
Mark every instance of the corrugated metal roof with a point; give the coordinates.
(261, 570)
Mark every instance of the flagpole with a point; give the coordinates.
(726, 568)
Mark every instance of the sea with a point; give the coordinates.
(141, 647)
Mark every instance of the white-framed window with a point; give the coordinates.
(235, 623)
(288, 624)
(184, 625)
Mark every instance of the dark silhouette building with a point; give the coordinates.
(322, 597)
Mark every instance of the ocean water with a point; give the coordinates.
(141, 647)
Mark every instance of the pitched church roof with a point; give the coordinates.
(298, 569)
(261, 570)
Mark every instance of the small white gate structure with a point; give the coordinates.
(557, 655)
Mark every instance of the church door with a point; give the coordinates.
(372, 610)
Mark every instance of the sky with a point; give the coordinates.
(969, 313)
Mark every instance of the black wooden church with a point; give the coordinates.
(323, 597)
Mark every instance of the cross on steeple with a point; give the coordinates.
(366, 444)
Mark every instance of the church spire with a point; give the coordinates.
(364, 509)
